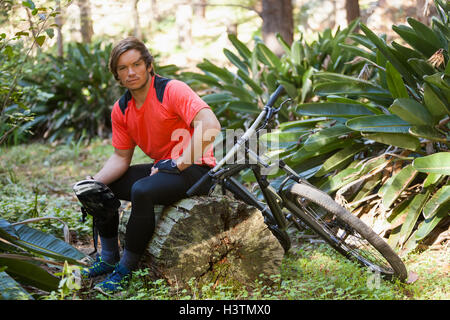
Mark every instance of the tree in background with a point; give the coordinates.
(87, 29)
(137, 27)
(352, 9)
(277, 18)
(59, 21)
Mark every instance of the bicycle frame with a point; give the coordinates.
(224, 175)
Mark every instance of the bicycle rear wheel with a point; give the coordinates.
(343, 231)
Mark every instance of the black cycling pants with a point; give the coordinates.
(144, 191)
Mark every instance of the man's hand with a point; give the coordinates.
(167, 166)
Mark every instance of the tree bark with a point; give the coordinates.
(352, 9)
(277, 18)
(137, 26)
(86, 24)
(59, 20)
(213, 239)
(183, 20)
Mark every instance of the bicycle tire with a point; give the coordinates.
(300, 198)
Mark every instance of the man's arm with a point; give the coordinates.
(206, 128)
(115, 166)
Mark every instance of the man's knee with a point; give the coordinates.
(141, 191)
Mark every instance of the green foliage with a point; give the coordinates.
(365, 110)
(238, 94)
(26, 251)
(407, 92)
(81, 90)
(15, 108)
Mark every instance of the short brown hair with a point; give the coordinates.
(129, 44)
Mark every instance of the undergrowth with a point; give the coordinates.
(36, 181)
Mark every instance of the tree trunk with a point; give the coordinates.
(352, 9)
(183, 20)
(137, 26)
(277, 18)
(421, 11)
(213, 239)
(86, 29)
(59, 22)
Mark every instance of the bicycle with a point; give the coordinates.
(298, 203)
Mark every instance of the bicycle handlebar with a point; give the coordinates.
(274, 96)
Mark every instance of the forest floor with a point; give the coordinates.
(36, 180)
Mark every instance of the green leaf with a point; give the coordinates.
(283, 43)
(410, 36)
(333, 109)
(29, 273)
(30, 4)
(240, 93)
(302, 154)
(358, 51)
(255, 87)
(395, 185)
(326, 136)
(432, 178)
(386, 51)
(290, 88)
(209, 80)
(429, 224)
(7, 231)
(296, 52)
(244, 107)
(267, 57)
(434, 103)
(283, 139)
(240, 47)
(300, 124)
(50, 32)
(379, 123)
(411, 111)
(11, 290)
(412, 213)
(437, 200)
(336, 84)
(427, 132)
(235, 60)
(407, 52)
(424, 32)
(438, 80)
(306, 83)
(48, 244)
(40, 40)
(222, 73)
(421, 67)
(395, 82)
(339, 158)
(401, 140)
(215, 98)
(434, 163)
(340, 179)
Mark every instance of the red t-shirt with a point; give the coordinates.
(161, 127)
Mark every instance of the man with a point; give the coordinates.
(175, 128)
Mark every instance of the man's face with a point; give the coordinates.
(132, 71)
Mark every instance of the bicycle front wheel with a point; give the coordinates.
(343, 231)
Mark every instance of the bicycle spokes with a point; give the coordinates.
(345, 237)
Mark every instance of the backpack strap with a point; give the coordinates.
(160, 84)
(123, 101)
